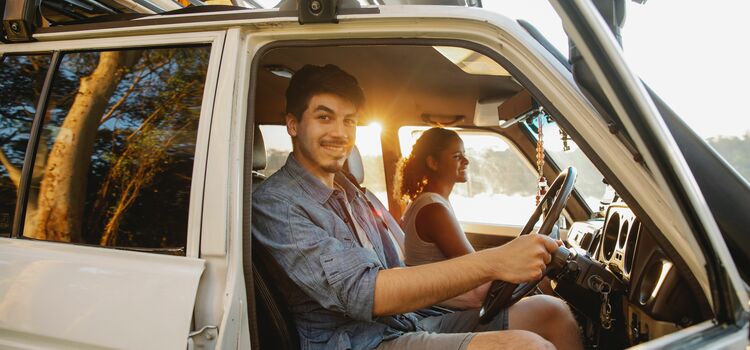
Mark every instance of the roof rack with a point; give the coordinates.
(21, 18)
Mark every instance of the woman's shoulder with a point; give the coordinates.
(425, 198)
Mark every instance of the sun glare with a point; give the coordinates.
(368, 139)
(376, 127)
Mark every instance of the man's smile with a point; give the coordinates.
(335, 148)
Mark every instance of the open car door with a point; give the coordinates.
(620, 91)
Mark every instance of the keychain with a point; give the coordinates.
(605, 312)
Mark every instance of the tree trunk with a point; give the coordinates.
(63, 187)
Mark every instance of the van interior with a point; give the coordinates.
(414, 85)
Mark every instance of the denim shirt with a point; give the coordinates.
(330, 288)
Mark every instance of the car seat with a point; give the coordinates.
(275, 325)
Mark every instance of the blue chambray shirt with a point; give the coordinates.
(331, 278)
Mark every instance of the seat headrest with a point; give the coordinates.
(355, 166)
(259, 150)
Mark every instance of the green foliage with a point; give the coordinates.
(736, 151)
(142, 166)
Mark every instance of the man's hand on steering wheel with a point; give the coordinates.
(523, 259)
(529, 253)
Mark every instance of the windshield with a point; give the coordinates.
(565, 153)
(699, 80)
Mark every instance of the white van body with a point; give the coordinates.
(63, 296)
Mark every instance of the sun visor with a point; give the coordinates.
(493, 112)
(519, 104)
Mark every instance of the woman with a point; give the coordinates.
(424, 181)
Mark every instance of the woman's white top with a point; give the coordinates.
(417, 251)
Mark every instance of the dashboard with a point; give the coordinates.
(651, 297)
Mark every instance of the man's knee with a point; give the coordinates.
(553, 308)
(514, 339)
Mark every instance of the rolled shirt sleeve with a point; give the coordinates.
(338, 274)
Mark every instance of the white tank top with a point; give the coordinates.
(417, 251)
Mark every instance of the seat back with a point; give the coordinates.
(275, 324)
(276, 327)
(259, 157)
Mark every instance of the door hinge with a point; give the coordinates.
(204, 338)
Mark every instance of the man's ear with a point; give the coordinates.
(431, 163)
(291, 124)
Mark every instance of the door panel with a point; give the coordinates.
(66, 296)
(105, 254)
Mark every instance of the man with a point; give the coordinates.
(346, 287)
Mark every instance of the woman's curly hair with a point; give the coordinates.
(412, 172)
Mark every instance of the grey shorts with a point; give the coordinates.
(451, 331)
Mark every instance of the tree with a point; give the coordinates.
(58, 213)
(118, 122)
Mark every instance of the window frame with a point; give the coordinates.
(56, 48)
(31, 146)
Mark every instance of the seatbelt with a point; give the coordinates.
(424, 312)
(389, 247)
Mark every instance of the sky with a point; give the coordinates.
(690, 52)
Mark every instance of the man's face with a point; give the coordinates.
(325, 134)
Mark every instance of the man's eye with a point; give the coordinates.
(324, 117)
(350, 122)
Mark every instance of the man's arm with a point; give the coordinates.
(338, 277)
(470, 300)
(408, 289)
(436, 224)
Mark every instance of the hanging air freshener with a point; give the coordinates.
(542, 182)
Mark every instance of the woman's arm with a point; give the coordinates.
(436, 224)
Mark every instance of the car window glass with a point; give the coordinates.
(115, 158)
(21, 78)
(501, 186)
(278, 146)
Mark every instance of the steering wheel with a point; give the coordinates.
(504, 294)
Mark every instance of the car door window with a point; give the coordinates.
(21, 77)
(115, 156)
(501, 186)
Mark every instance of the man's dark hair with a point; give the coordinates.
(313, 80)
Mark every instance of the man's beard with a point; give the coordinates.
(335, 167)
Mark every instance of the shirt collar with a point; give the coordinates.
(316, 188)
